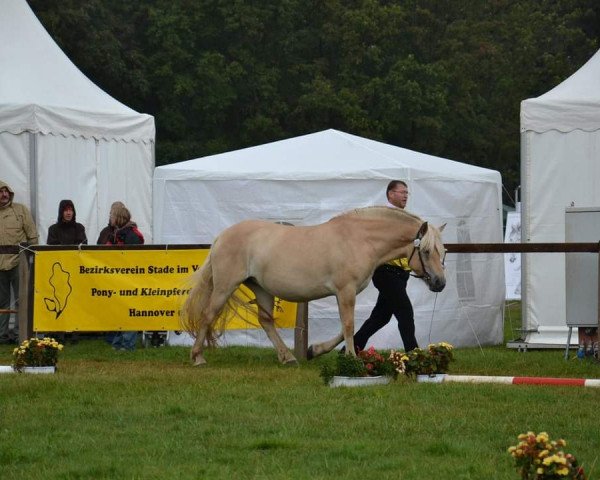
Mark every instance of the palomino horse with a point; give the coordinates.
(305, 263)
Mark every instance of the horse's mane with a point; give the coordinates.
(380, 212)
(429, 241)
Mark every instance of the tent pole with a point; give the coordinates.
(33, 174)
(525, 158)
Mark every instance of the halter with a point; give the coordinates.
(417, 248)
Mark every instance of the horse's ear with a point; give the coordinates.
(423, 230)
(441, 229)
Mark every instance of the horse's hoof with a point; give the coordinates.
(310, 354)
(200, 363)
(292, 362)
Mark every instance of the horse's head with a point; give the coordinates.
(427, 257)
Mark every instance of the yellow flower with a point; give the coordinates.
(544, 453)
(542, 437)
(562, 471)
(540, 471)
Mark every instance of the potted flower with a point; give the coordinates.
(36, 355)
(368, 367)
(426, 365)
(538, 458)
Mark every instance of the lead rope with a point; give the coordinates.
(468, 321)
(432, 314)
(472, 329)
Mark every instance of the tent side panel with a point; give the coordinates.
(197, 210)
(15, 170)
(124, 171)
(65, 169)
(560, 170)
(468, 311)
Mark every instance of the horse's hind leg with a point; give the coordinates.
(208, 318)
(197, 353)
(265, 317)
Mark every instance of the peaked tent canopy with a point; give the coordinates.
(309, 179)
(560, 168)
(63, 137)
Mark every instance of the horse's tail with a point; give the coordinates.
(194, 310)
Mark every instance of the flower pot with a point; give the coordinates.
(339, 381)
(50, 369)
(432, 378)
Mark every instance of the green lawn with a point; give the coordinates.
(150, 415)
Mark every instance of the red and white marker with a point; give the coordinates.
(571, 382)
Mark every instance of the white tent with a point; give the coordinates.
(560, 168)
(63, 137)
(307, 180)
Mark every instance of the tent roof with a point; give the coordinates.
(41, 90)
(574, 104)
(329, 154)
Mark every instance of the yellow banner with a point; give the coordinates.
(108, 290)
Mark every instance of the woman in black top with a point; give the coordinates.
(66, 231)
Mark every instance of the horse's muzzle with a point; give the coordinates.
(436, 284)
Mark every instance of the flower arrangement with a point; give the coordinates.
(435, 359)
(370, 363)
(539, 458)
(367, 363)
(36, 352)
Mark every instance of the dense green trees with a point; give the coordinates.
(444, 77)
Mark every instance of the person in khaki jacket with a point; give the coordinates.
(16, 226)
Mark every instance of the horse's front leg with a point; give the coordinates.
(325, 347)
(346, 300)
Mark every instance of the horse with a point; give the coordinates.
(302, 263)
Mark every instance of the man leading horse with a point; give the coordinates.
(391, 279)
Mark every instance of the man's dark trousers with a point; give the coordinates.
(392, 300)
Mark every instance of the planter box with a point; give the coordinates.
(433, 378)
(10, 369)
(39, 369)
(338, 381)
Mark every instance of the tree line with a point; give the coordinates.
(444, 77)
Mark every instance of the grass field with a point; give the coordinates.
(150, 415)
